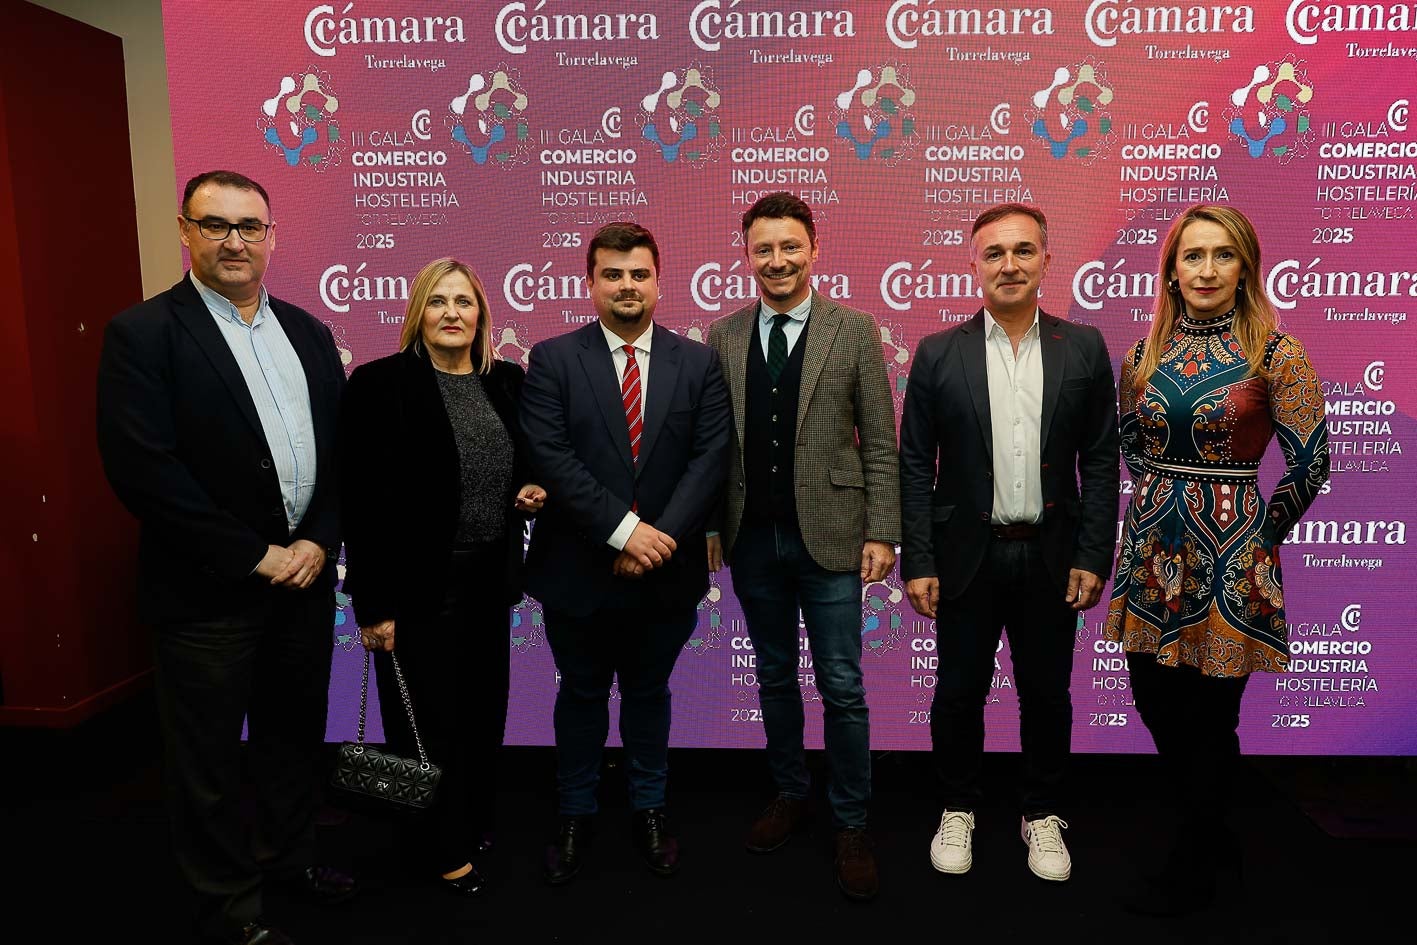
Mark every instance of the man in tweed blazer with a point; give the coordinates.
(811, 512)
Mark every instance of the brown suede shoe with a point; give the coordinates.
(856, 864)
(776, 824)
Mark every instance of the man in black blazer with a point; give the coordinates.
(216, 418)
(1009, 479)
(627, 430)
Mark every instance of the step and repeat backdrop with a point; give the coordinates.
(391, 133)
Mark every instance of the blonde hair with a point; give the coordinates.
(1255, 317)
(418, 293)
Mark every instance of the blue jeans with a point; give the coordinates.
(640, 647)
(774, 577)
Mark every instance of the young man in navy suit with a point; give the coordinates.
(627, 429)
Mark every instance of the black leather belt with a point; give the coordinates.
(1016, 532)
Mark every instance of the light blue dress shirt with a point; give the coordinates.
(276, 379)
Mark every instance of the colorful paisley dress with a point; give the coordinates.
(1198, 580)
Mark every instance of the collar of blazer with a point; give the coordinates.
(1053, 350)
(599, 366)
(741, 330)
(422, 381)
(192, 313)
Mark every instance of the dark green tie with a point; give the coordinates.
(777, 346)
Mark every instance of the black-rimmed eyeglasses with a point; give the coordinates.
(214, 229)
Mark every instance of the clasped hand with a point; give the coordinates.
(646, 549)
(295, 566)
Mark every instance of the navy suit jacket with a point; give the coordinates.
(947, 463)
(183, 448)
(579, 449)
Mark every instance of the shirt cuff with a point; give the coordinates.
(621, 534)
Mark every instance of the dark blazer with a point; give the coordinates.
(946, 421)
(574, 423)
(400, 485)
(183, 448)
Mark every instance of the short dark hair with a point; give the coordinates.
(621, 237)
(221, 179)
(778, 205)
(998, 212)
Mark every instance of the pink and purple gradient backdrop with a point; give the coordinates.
(874, 219)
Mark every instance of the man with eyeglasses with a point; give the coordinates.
(216, 416)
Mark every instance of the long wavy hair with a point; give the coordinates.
(1255, 317)
(422, 287)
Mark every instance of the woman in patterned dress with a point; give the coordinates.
(1198, 598)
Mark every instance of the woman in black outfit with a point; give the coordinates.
(435, 499)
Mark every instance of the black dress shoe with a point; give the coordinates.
(468, 884)
(654, 841)
(258, 934)
(564, 854)
(324, 884)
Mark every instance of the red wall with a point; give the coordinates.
(69, 643)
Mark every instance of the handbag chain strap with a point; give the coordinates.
(403, 695)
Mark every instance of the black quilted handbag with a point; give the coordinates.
(367, 777)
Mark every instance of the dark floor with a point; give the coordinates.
(1330, 846)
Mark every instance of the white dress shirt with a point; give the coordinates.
(276, 379)
(792, 328)
(1016, 415)
(622, 360)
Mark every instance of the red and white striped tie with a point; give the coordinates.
(630, 396)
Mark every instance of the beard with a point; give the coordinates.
(628, 315)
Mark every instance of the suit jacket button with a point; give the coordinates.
(983, 516)
(265, 464)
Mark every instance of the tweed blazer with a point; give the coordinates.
(846, 481)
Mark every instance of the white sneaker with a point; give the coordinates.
(950, 849)
(1047, 854)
